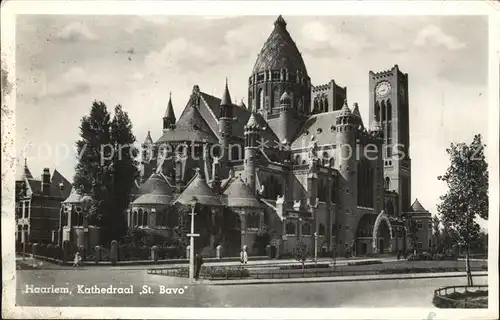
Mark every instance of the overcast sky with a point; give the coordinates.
(63, 63)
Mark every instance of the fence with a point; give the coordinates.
(442, 296)
(294, 273)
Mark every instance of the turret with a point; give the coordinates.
(347, 165)
(169, 118)
(252, 135)
(225, 124)
(147, 157)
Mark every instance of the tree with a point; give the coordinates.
(467, 195)
(436, 233)
(106, 169)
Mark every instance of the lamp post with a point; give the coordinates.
(191, 235)
(315, 248)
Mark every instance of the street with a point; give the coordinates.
(178, 292)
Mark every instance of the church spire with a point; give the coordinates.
(169, 118)
(226, 97)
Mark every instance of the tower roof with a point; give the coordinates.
(280, 51)
(169, 113)
(239, 195)
(148, 139)
(226, 97)
(199, 188)
(252, 121)
(345, 111)
(417, 207)
(355, 110)
(155, 190)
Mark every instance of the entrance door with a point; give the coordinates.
(381, 245)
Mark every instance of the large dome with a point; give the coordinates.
(280, 52)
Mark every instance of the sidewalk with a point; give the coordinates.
(342, 278)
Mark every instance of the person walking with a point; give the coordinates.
(77, 260)
(244, 255)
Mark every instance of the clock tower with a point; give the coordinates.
(389, 107)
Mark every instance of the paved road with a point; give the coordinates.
(383, 293)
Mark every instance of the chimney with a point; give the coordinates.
(46, 182)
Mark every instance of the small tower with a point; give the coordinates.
(346, 148)
(169, 118)
(225, 126)
(285, 106)
(252, 135)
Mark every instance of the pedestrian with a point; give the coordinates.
(198, 264)
(244, 255)
(77, 260)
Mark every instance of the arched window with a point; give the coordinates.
(306, 228)
(134, 219)
(290, 228)
(377, 111)
(145, 219)
(387, 184)
(332, 162)
(383, 111)
(276, 98)
(389, 110)
(260, 103)
(316, 106)
(139, 223)
(325, 105)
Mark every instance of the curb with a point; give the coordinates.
(341, 278)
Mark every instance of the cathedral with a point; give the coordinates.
(296, 160)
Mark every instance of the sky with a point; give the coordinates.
(64, 63)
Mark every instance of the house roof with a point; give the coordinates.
(55, 188)
(74, 197)
(417, 207)
(238, 194)
(155, 190)
(199, 188)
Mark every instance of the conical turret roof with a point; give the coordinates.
(280, 52)
(226, 97)
(199, 188)
(169, 113)
(285, 98)
(355, 110)
(240, 195)
(155, 190)
(252, 121)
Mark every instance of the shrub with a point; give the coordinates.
(225, 272)
(364, 263)
(306, 266)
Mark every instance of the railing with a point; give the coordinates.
(441, 296)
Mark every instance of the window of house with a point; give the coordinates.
(145, 219)
(306, 228)
(253, 220)
(419, 245)
(290, 228)
(419, 224)
(430, 243)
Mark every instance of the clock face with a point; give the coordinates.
(383, 89)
